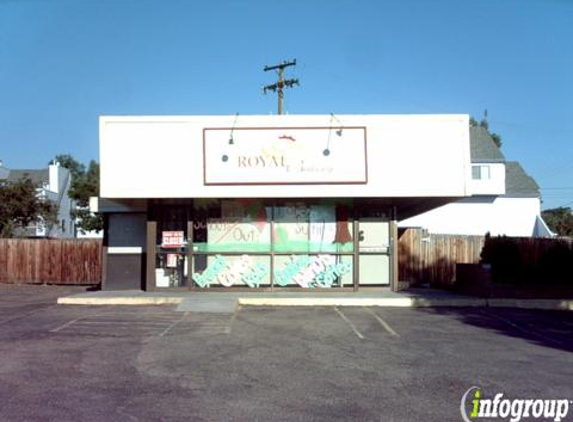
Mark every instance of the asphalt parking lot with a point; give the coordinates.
(135, 363)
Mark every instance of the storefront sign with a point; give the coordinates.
(257, 156)
(172, 239)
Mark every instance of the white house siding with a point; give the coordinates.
(493, 184)
(479, 215)
(59, 185)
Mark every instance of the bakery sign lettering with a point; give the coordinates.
(237, 156)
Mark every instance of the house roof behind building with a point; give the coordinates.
(36, 176)
(518, 182)
(483, 148)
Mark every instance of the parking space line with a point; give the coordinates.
(173, 324)
(103, 319)
(383, 323)
(127, 317)
(161, 327)
(350, 324)
(14, 318)
(522, 329)
(65, 325)
(130, 323)
(230, 326)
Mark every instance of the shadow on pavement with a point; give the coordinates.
(545, 328)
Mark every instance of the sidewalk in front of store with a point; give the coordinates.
(228, 301)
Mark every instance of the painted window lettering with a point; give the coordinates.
(308, 272)
(228, 273)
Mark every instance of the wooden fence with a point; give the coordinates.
(422, 258)
(56, 261)
(432, 258)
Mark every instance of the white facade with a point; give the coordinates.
(488, 179)
(177, 157)
(477, 216)
(271, 201)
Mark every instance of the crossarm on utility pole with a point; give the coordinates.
(279, 86)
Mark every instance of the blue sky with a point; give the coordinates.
(65, 62)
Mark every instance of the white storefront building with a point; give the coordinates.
(271, 202)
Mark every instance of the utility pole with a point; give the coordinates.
(279, 86)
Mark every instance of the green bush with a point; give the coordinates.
(503, 254)
(529, 261)
(555, 265)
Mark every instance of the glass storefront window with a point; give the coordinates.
(302, 228)
(245, 226)
(307, 271)
(313, 271)
(231, 271)
(374, 247)
(171, 245)
(235, 226)
(251, 243)
(170, 269)
(374, 269)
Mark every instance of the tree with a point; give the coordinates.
(74, 166)
(85, 183)
(559, 220)
(20, 206)
(85, 186)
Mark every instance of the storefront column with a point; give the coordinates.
(272, 257)
(394, 255)
(104, 252)
(190, 255)
(356, 256)
(150, 255)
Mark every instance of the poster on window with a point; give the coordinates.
(172, 239)
(171, 260)
(322, 226)
(243, 225)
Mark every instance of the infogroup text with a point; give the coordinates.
(513, 410)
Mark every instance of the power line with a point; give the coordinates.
(559, 188)
(561, 129)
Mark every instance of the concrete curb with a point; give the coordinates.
(120, 300)
(547, 304)
(396, 302)
(405, 302)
